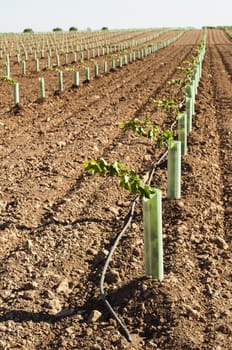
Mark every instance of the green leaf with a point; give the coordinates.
(125, 182)
(115, 168)
(165, 137)
(147, 191)
(94, 167)
(141, 128)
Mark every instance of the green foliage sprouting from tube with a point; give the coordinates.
(148, 130)
(129, 179)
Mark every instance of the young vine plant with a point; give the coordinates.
(8, 80)
(148, 130)
(188, 68)
(145, 129)
(129, 179)
(169, 105)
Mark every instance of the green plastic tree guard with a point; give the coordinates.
(125, 60)
(57, 60)
(153, 243)
(8, 59)
(42, 87)
(16, 94)
(37, 65)
(24, 66)
(189, 111)
(191, 92)
(87, 74)
(182, 132)
(76, 79)
(74, 57)
(105, 67)
(174, 169)
(25, 55)
(113, 66)
(66, 59)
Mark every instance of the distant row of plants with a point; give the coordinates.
(31, 45)
(129, 179)
(116, 62)
(83, 36)
(228, 31)
(58, 29)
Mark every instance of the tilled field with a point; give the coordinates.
(58, 222)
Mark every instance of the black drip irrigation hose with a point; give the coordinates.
(130, 215)
(107, 304)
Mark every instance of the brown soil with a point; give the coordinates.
(58, 222)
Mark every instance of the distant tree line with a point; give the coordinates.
(58, 29)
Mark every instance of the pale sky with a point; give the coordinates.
(44, 15)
